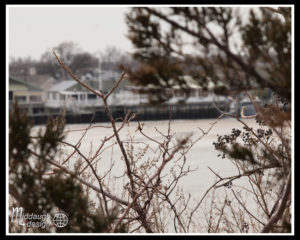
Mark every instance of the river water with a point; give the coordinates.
(201, 156)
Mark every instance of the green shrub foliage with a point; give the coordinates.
(39, 193)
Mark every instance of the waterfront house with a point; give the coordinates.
(74, 98)
(193, 94)
(44, 82)
(28, 96)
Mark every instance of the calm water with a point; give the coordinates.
(201, 156)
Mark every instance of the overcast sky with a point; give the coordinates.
(34, 29)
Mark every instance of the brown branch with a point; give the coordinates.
(86, 183)
(278, 214)
(84, 129)
(94, 172)
(136, 207)
(264, 207)
(99, 94)
(115, 86)
(244, 207)
(105, 140)
(120, 143)
(165, 161)
(221, 215)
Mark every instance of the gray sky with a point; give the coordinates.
(34, 29)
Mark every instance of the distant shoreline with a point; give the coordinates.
(144, 114)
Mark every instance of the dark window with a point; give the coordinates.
(24, 110)
(11, 95)
(21, 98)
(35, 98)
(92, 96)
(74, 96)
(38, 110)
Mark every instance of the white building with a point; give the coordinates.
(70, 95)
(130, 95)
(73, 97)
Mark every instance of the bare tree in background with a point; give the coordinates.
(113, 58)
(21, 67)
(79, 61)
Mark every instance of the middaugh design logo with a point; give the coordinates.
(32, 220)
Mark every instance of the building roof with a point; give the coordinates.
(72, 85)
(63, 86)
(36, 80)
(28, 85)
(41, 81)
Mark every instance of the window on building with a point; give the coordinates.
(74, 97)
(38, 110)
(82, 97)
(11, 95)
(21, 98)
(35, 98)
(91, 96)
(54, 95)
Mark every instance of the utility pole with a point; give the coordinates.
(238, 104)
(99, 77)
